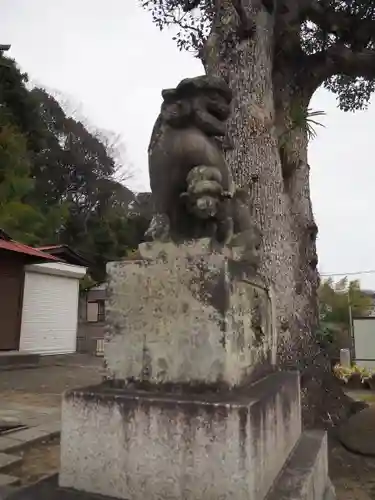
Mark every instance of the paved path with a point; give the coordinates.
(47, 383)
(32, 398)
(34, 394)
(27, 415)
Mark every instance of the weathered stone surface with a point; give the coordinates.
(141, 445)
(305, 476)
(187, 314)
(358, 433)
(330, 492)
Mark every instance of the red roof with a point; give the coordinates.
(14, 246)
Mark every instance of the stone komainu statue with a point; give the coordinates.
(190, 181)
(192, 187)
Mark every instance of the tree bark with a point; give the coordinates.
(265, 92)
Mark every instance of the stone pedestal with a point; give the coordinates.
(187, 314)
(195, 409)
(139, 445)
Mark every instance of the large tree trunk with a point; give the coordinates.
(271, 160)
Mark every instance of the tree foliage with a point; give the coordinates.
(335, 299)
(332, 41)
(60, 182)
(15, 182)
(19, 137)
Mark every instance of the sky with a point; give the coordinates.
(111, 63)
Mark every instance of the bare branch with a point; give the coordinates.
(192, 18)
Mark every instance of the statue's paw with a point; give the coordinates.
(149, 235)
(224, 233)
(159, 229)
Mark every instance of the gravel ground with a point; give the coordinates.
(353, 475)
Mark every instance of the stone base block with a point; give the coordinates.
(140, 445)
(188, 314)
(305, 476)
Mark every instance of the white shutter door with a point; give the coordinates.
(49, 314)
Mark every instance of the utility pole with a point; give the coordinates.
(350, 315)
(351, 323)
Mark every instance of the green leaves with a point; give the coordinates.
(302, 119)
(18, 216)
(309, 123)
(336, 298)
(353, 94)
(15, 181)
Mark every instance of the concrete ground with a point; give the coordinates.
(32, 397)
(43, 386)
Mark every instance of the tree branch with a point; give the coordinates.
(337, 59)
(247, 25)
(349, 28)
(240, 10)
(190, 5)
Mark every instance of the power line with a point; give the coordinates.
(370, 271)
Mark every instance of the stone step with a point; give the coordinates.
(7, 461)
(6, 480)
(305, 475)
(16, 441)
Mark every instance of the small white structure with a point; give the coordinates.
(345, 358)
(364, 341)
(50, 308)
